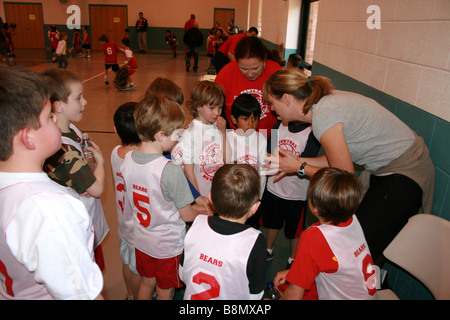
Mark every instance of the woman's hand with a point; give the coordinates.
(281, 163)
(280, 278)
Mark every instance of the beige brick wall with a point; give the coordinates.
(408, 57)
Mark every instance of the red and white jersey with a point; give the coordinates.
(110, 52)
(53, 36)
(159, 230)
(46, 241)
(216, 269)
(356, 272)
(249, 149)
(200, 145)
(290, 187)
(125, 220)
(93, 204)
(132, 64)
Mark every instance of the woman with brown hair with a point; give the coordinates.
(398, 171)
(247, 74)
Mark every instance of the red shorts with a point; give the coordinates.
(164, 270)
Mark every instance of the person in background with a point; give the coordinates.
(294, 61)
(110, 53)
(53, 36)
(61, 51)
(141, 27)
(171, 40)
(233, 29)
(86, 42)
(193, 39)
(130, 62)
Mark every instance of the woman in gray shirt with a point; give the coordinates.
(353, 129)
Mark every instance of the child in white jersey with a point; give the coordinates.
(289, 192)
(46, 237)
(245, 144)
(223, 257)
(333, 254)
(126, 130)
(200, 149)
(69, 166)
(159, 196)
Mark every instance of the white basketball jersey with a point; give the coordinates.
(16, 281)
(356, 274)
(215, 265)
(124, 213)
(159, 230)
(93, 205)
(291, 187)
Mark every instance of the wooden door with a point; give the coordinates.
(108, 20)
(30, 24)
(223, 16)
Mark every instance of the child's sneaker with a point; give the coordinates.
(269, 255)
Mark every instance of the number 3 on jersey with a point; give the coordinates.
(141, 202)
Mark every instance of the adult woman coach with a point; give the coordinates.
(247, 74)
(355, 129)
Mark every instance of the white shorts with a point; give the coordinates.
(128, 255)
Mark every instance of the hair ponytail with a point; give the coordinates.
(294, 82)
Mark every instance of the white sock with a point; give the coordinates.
(269, 250)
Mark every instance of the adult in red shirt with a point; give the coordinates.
(190, 23)
(225, 53)
(247, 74)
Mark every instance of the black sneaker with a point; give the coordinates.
(289, 264)
(269, 256)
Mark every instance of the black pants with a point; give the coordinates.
(220, 61)
(388, 204)
(62, 61)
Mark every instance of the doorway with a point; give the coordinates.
(30, 24)
(108, 20)
(223, 16)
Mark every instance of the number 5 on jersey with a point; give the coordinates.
(141, 202)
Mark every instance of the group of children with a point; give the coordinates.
(81, 44)
(122, 79)
(210, 182)
(189, 201)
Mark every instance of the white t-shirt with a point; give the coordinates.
(249, 149)
(46, 242)
(200, 145)
(373, 134)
